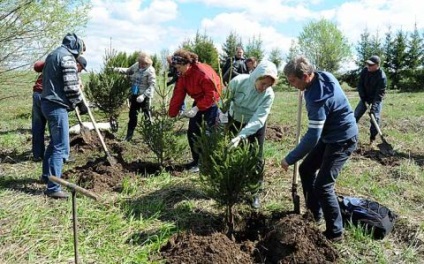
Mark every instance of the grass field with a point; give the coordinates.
(131, 225)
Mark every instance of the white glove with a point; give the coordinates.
(140, 98)
(223, 117)
(119, 69)
(192, 112)
(234, 142)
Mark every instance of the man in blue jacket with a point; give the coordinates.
(329, 141)
(61, 94)
(371, 88)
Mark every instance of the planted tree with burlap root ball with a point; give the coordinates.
(109, 90)
(160, 134)
(227, 176)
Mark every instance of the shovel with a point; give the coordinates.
(85, 131)
(109, 157)
(385, 148)
(295, 195)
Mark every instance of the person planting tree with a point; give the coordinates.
(250, 100)
(331, 138)
(203, 84)
(61, 94)
(143, 79)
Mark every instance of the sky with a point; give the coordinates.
(154, 26)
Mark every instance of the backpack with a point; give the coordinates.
(375, 218)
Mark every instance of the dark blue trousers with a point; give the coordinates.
(318, 173)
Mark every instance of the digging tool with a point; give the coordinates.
(385, 148)
(109, 157)
(74, 189)
(85, 131)
(295, 195)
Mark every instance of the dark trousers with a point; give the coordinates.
(208, 116)
(135, 108)
(360, 110)
(258, 137)
(318, 173)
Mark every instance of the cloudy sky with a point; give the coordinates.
(157, 25)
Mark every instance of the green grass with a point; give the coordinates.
(130, 226)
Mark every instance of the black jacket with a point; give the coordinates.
(372, 85)
(233, 67)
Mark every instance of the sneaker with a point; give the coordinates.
(44, 179)
(57, 195)
(333, 237)
(256, 204)
(70, 159)
(37, 159)
(194, 169)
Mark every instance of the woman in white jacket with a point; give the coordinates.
(143, 80)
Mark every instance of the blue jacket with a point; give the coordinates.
(330, 116)
(60, 74)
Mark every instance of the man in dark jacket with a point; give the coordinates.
(234, 66)
(61, 94)
(371, 88)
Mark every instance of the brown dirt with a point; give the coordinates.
(290, 239)
(276, 132)
(97, 174)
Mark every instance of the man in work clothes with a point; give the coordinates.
(371, 88)
(329, 141)
(61, 94)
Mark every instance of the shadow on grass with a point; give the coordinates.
(26, 185)
(387, 160)
(168, 205)
(13, 157)
(19, 130)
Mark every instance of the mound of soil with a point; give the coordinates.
(98, 176)
(291, 239)
(295, 239)
(276, 132)
(216, 248)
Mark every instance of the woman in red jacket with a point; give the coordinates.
(201, 83)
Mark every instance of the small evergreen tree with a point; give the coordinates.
(204, 47)
(229, 47)
(254, 48)
(109, 90)
(227, 176)
(160, 135)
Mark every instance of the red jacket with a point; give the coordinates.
(38, 86)
(201, 83)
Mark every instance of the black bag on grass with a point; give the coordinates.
(375, 218)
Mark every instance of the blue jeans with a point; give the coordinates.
(318, 173)
(38, 127)
(58, 148)
(360, 110)
(209, 116)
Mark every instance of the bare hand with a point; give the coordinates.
(284, 164)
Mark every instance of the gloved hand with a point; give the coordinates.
(234, 142)
(140, 98)
(192, 112)
(119, 69)
(223, 117)
(83, 109)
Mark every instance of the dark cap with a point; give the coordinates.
(83, 62)
(373, 60)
